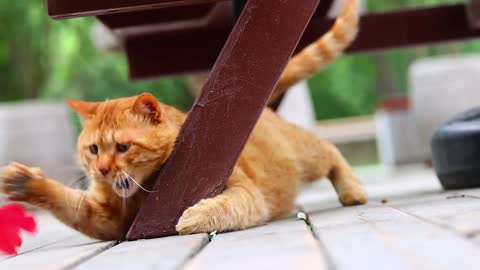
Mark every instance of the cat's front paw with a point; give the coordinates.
(195, 219)
(16, 181)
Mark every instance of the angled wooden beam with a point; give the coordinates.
(224, 115)
(156, 16)
(146, 52)
(473, 11)
(380, 31)
(322, 11)
(62, 9)
(403, 28)
(414, 27)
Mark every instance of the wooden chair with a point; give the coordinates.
(163, 37)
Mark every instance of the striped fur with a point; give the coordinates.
(320, 53)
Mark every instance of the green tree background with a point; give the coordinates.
(48, 59)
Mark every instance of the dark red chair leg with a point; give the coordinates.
(224, 115)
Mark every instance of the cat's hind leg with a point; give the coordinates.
(327, 161)
(346, 184)
(239, 206)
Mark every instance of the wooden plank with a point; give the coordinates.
(405, 183)
(50, 231)
(474, 192)
(413, 27)
(286, 244)
(459, 213)
(165, 253)
(473, 12)
(378, 237)
(222, 118)
(379, 31)
(156, 39)
(157, 16)
(353, 244)
(476, 239)
(58, 256)
(61, 9)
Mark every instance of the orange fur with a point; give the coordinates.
(320, 53)
(277, 159)
(312, 58)
(125, 141)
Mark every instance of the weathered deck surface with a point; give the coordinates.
(416, 227)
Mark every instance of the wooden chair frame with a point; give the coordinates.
(163, 37)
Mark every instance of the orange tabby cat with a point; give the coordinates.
(125, 141)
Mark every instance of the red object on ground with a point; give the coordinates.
(13, 220)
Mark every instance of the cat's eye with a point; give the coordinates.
(94, 149)
(122, 148)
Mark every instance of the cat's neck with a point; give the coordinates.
(175, 117)
(102, 192)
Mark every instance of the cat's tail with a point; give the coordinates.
(320, 53)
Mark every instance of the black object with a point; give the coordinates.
(238, 6)
(456, 151)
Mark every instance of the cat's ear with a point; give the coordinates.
(147, 106)
(84, 108)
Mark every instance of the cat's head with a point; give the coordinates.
(123, 141)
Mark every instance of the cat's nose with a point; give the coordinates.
(104, 171)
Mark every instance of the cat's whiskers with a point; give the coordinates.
(124, 202)
(80, 204)
(124, 197)
(136, 183)
(78, 180)
(67, 197)
(68, 201)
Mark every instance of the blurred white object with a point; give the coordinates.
(104, 39)
(38, 134)
(297, 107)
(397, 138)
(337, 6)
(441, 87)
(355, 137)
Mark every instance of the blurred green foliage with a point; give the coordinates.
(354, 84)
(43, 58)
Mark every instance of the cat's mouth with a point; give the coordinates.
(123, 187)
(123, 184)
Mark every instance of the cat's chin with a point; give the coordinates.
(124, 188)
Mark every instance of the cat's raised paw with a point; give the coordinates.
(16, 180)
